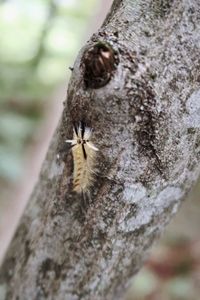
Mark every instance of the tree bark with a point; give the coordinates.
(145, 121)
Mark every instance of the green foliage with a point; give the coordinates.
(39, 40)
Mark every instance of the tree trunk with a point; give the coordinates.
(136, 83)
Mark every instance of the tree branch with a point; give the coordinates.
(145, 118)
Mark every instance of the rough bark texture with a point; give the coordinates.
(146, 123)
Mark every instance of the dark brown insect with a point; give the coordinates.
(99, 63)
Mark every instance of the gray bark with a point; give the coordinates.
(146, 123)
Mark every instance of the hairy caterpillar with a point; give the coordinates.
(84, 156)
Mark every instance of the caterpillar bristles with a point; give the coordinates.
(84, 158)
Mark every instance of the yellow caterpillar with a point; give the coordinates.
(84, 156)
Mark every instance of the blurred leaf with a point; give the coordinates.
(10, 163)
(144, 283)
(14, 129)
(180, 288)
(3, 291)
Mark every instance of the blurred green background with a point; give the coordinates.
(39, 40)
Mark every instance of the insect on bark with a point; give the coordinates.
(84, 158)
(99, 63)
